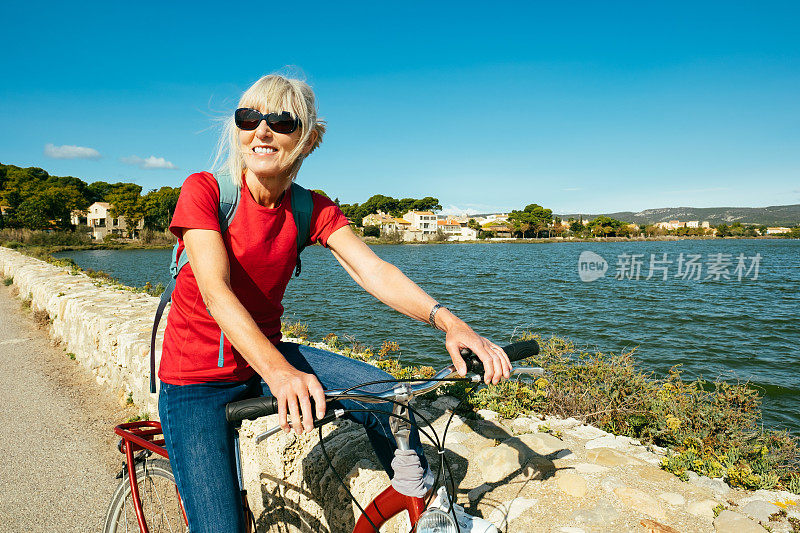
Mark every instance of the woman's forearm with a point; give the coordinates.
(389, 285)
(242, 331)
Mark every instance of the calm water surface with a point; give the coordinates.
(729, 328)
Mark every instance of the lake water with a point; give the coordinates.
(732, 328)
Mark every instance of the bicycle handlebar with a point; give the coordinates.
(253, 408)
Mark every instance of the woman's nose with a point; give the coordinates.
(263, 131)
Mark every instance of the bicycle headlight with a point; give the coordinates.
(436, 521)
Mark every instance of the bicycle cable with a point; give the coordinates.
(341, 479)
(444, 464)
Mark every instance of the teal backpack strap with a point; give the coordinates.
(229, 196)
(302, 207)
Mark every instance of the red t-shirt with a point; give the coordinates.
(262, 251)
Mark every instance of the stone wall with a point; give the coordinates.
(528, 474)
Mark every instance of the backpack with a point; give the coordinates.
(229, 196)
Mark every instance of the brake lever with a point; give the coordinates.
(528, 371)
(337, 413)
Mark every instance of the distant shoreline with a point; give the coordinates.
(377, 241)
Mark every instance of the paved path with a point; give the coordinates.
(57, 452)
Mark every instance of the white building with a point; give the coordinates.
(102, 223)
(424, 221)
(777, 230)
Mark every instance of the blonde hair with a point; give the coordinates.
(273, 93)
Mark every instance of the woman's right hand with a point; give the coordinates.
(293, 390)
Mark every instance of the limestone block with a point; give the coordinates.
(602, 514)
(508, 511)
(672, 498)
(717, 486)
(586, 432)
(653, 474)
(499, 462)
(703, 508)
(589, 468)
(608, 441)
(611, 458)
(540, 443)
(759, 510)
(641, 502)
(572, 484)
(730, 522)
(487, 414)
(490, 429)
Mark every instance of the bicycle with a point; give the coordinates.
(147, 498)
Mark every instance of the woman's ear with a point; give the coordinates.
(312, 140)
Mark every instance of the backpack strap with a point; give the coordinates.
(302, 207)
(229, 196)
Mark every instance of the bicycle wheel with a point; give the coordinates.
(159, 497)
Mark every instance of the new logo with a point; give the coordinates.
(591, 266)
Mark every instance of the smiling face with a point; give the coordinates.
(265, 152)
(262, 151)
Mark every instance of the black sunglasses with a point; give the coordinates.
(248, 119)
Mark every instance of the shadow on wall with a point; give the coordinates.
(287, 506)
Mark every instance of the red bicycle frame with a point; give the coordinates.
(137, 436)
(386, 505)
(142, 435)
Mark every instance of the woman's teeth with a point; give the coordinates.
(264, 150)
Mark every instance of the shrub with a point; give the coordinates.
(298, 330)
(8, 280)
(157, 238)
(15, 238)
(372, 231)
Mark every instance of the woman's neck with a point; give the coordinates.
(267, 192)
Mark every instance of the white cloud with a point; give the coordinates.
(69, 151)
(571, 189)
(149, 162)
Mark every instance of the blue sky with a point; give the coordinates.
(580, 107)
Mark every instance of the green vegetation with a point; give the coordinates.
(8, 280)
(71, 355)
(298, 330)
(711, 428)
(356, 212)
(603, 226)
(35, 200)
(533, 219)
(139, 417)
(372, 231)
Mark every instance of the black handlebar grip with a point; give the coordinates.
(515, 352)
(250, 409)
(521, 350)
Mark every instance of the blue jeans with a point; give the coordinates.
(200, 441)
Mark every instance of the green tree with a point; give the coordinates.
(533, 218)
(127, 202)
(158, 207)
(605, 226)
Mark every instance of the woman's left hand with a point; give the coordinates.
(495, 361)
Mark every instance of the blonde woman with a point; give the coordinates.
(234, 283)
